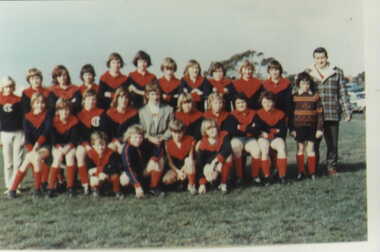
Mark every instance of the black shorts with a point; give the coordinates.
(305, 134)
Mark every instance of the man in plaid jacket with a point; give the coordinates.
(335, 102)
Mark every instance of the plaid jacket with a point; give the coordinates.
(333, 93)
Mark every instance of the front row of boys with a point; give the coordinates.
(139, 151)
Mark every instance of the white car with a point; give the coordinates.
(357, 100)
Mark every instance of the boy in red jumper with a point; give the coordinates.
(213, 156)
(140, 159)
(104, 165)
(220, 84)
(34, 78)
(64, 138)
(91, 119)
(119, 117)
(189, 115)
(139, 78)
(306, 123)
(111, 80)
(180, 156)
(169, 84)
(248, 85)
(37, 126)
(239, 124)
(12, 135)
(64, 89)
(270, 128)
(195, 84)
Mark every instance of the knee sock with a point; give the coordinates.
(311, 164)
(192, 179)
(37, 180)
(115, 183)
(255, 167)
(54, 171)
(45, 172)
(239, 167)
(155, 177)
(265, 165)
(70, 176)
(225, 172)
(83, 174)
(282, 166)
(202, 181)
(17, 180)
(300, 163)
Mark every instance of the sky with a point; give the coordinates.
(47, 33)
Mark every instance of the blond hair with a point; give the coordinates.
(212, 97)
(35, 97)
(246, 64)
(6, 80)
(191, 63)
(169, 63)
(184, 97)
(62, 104)
(33, 72)
(207, 124)
(176, 125)
(98, 136)
(120, 91)
(134, 129)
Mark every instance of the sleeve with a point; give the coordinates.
(51, 101)
(195, 129)
(319, 109)
(113, 167)
(143, 122)
(281, 126)
(27, 130)
(25, 101)
(291, 115)
(110, 127)
(288, 102)
(103, 101)
(127, 166)
(344, 100)
(75, 135)
(257, 127)
(206, 89)
(45, 135)
(225, 149)
(170, 117)
(76, 102)
(230, 125)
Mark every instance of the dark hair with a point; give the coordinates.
(88, 68)
(215, 66)
(320, 50)
(58, 71)
(304, 76)
(240, 96)
(115, 56)
(267, 95)
(276, 65)
(142, 55)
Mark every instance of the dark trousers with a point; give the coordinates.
(331, 133)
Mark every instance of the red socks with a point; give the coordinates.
(225, 172)
(83, 174)
(255, 167)
(192, 179)
(239, 167)
(115, 183)
(282, 166)
(265, 165)
(300, 163)
(311, 164)
(37, 180)
(45, 172)
(70, 176)
(155, 177)
(18, 179)
(53, 177)
(202, 181)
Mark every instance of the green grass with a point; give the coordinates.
(331, 209)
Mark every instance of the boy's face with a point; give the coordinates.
(115, 65)
(88, 78)
(240, 105)
(8, 88)
(63, 78)
(320, 60)
(136, 139)
(176, 135)
(187, 106)
(63, 114)
(153, 97)
(142, 64)
(216, 105)
(194, 71)
(304, 86)
(267, 104)
(212, 131)
(274, 73)
(218, 74)
(168, 72)
(89, 102)
(247, 72)
(99, 146)
(35, 81)
(122, 101)
(39, 106)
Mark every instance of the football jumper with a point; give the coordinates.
(201, 83)
(251, 89)
(27, 95)
(117, 123)
(171, 88)
(109, 83)
(192, 122)
(283, 92)
(139, 81)
(72, 94)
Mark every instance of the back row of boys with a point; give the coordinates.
(201, 140)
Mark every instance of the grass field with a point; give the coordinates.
(331, 209)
